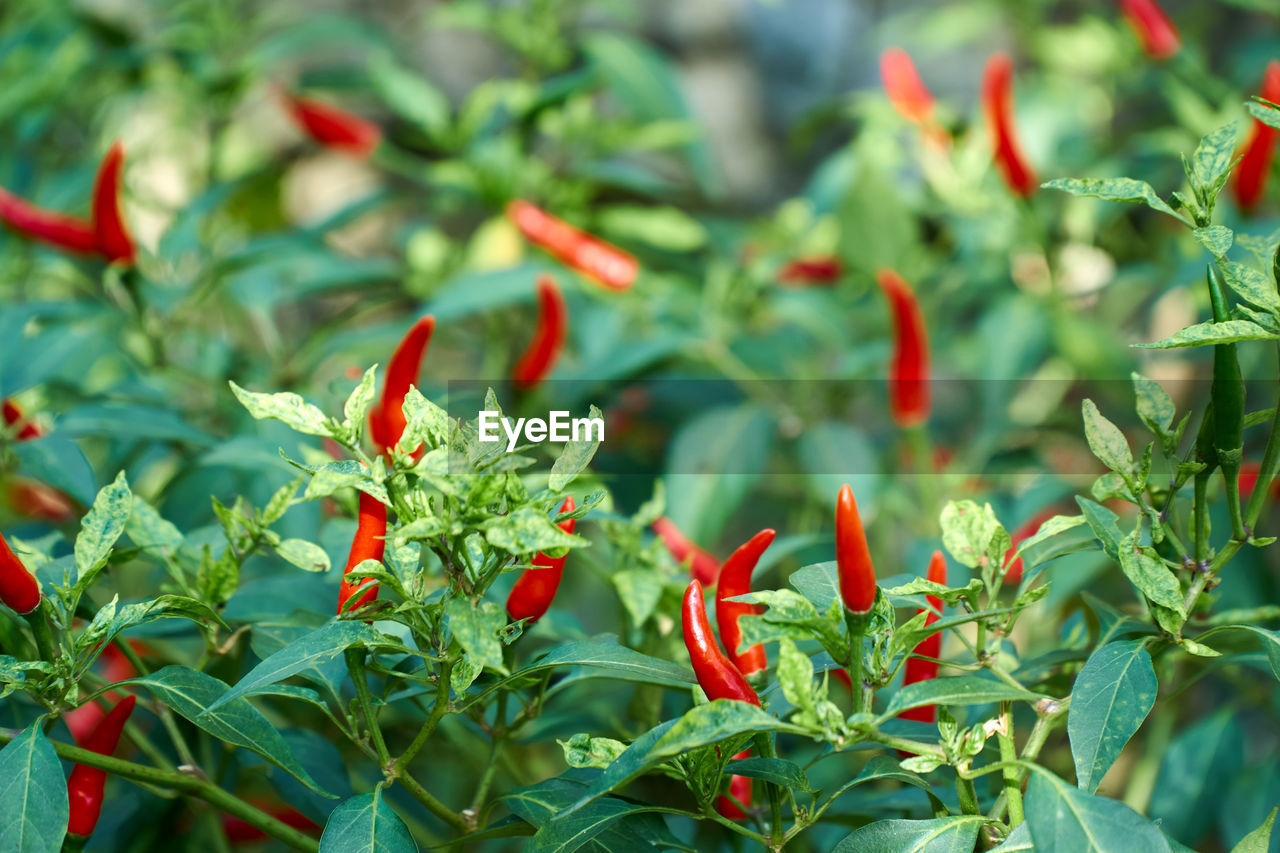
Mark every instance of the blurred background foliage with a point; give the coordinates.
(716, 140)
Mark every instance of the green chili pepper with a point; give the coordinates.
(1227, 395)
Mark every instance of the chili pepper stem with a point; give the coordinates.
(855, 674)
(921, 448)
(355, 665)
(1009, 755)
(967, 794)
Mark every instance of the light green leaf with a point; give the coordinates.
(1112, 695)
(102, 527)
(576, 455)
(1206, 334)
(1063, 819)
(33, 795)
(476, 628)
(284, 406)
(1114, 189)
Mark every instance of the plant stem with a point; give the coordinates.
(968, 795)
(355, 665)
(1009, 754)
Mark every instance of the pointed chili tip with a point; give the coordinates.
(853, 558)
(938, 568)
(903, 86)
(111, 232)
(332, 126)
(544, 350)
(1250, 176)
(997, 100)
(1153, 27)
(386, 417)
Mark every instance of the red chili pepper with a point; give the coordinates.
(734, 580)
(86, 784)
(853, 557)
(112, 234)
(369, 544)
(997, 100)
(333, 127)
(386, 421)
(909, 369)
(907, 92)
(601, 262)
(66, 232)
(717, 675)
(19, 589)
(739, 788)
(548, 340)
(1255, 164)
(34, 499)
(702, 566)
(13, 416)
(241, 832)
(537, 585)
(821, 269)
(916, 668)
(1157, 33)
(114, 667)
(1012, 566)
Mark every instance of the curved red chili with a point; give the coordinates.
(19, 589)
(740, 789)
(853, 557)
(1255, 164)
(916, 668)
(333, 127)
(1157, 33)
(703, 567)
(820, 269)
(85, 785)
(907, 92)
(386, 420)
(909, 369)
(34, 499)
(66, 232)
(369, 544)
(601, 262)
(548, 339)
(112, 234)
(997, 102)
(13, 416)
(734, 580)
(717, 675)
(537, 585)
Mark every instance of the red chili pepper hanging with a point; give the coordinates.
(917, 669)
(702, 566)
(601, 262)
(548, 340)
(853, 557)
(821, 269)
(369, 544)
(85, 786)
(1013, 567)
(242, 832)
(56, 229)
(34, 499)
(997, 101)
(909, 369)
(114, 667)
(13, 416)
(333, 127)
(717, 675)
(739, 788)
(19, 589)
(734, 580)
(1255, 164)
(907, 92)
(386, 421)
(1157, 33)
(537, 585)
(112, 234)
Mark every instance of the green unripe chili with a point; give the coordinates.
(1227, 395)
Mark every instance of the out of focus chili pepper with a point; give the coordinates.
(66, 232)
(19, 590)
(1013, 565)
(34, 499)
(112, 234)
(702, 566)
(369, 544)
(853, 557)
(917, 669)
(386, 420)
(114, 667)
(601, 262)
(734, 580)
(548, 338)
(1255, 164)
(739, 789)
(717, 675)
(909, 369)
(13, 416)
(997, 102)
(86, 785)
(242, 832)
(332, 127)
(1157, 33)
(820, 269)
(907, 92)
(537, 585)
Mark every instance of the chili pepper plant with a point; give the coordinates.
(932, 503)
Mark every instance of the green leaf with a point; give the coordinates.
(102, 527)
(567, 832)
(527, 531)
(1063, 819)
(663, 227)
(1264, 113)
(1213, 159)
(971, 533)
(1206, 334)
(1104, 524)
(190, 694)
(1114, 189)
(411, 96)
(33, 795)
(1112, 695)
(1216, 238)
(365, 823)
(788, 774)
(357, 405)
(1107, 441)
(1189, 793)
(1017, 840)
(286, 407)
(1258, 841)
(337, 475)
(1155, 406)
(576, 455)
(832, 453)
(476, 628)
(1151, 576)
(1270, 641)
(955, 690)
(315, 647)
(955, 834)
(148, 529)
(307, 556)
(1251, 286)
(111, 620)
